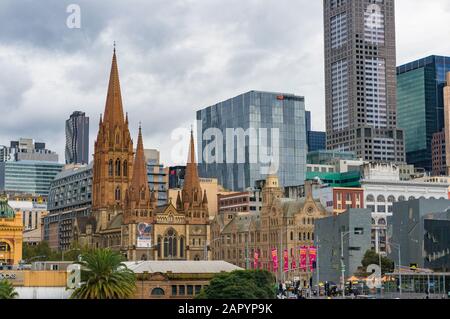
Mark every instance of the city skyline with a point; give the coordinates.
(186, 67)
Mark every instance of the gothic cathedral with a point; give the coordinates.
(125, 216)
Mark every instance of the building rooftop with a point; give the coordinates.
(181, 267)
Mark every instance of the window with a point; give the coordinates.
(198, 289)
(359, 231)
(190, 290)
(181, 290)
(157, 292)
(110, 168)
(118, 167)
(125, 168)
(174, 290)
(170, 244)
(370, 198)
(117, 194)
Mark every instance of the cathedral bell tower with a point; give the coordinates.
(113, 155)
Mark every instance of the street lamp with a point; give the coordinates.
(343, 234)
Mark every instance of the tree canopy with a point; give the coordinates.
(240, 284)
(7, 290)
(372, 258)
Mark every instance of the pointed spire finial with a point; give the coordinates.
(114, 45)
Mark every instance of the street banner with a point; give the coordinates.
(286, 260)
(144, 235)
(303, 252)
(312, 257)
(256, 259)
(275, 259)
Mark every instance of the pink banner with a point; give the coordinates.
(256, 260)
(303, 251)
(294, 264)
(286, 260)
(275, 259)
(312, 252)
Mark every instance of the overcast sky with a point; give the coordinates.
(175, 57)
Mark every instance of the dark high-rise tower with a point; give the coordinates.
(77, 139)
(360, 79)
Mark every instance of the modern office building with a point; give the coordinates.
(250, 201)
(421, 227)
(447, 122)
(420, 106)
(70, 198)
(158, 180)
(254, 132)
(439, 165)
(77, 138)
(354, 226)
(26, 149)
(30, 177)
(360, 79)
(176, 176)
(316, 140)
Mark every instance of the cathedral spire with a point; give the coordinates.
(113, 108)
(191, 179)
(140, 178)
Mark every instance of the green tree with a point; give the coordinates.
(372, 258)
(240, 284)
(105, 276)
(7, 290)
(42, 252)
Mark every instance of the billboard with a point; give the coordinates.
(144, 235)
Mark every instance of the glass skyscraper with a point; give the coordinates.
(278, 123)
(31, 177)
(77, 139)
(420, 106)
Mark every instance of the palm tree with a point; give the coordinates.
(105, 276)
(7, 290)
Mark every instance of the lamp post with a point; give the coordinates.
(399, 263)
(343, 234)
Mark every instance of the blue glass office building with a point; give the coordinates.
(420, 106)
(274, 112)
(31, 177)
(317, 141)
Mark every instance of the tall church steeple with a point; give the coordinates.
(113, 154)
(192, 193)
(113, 107)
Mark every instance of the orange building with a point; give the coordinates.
(11, 234)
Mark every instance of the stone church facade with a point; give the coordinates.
(123, 202)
